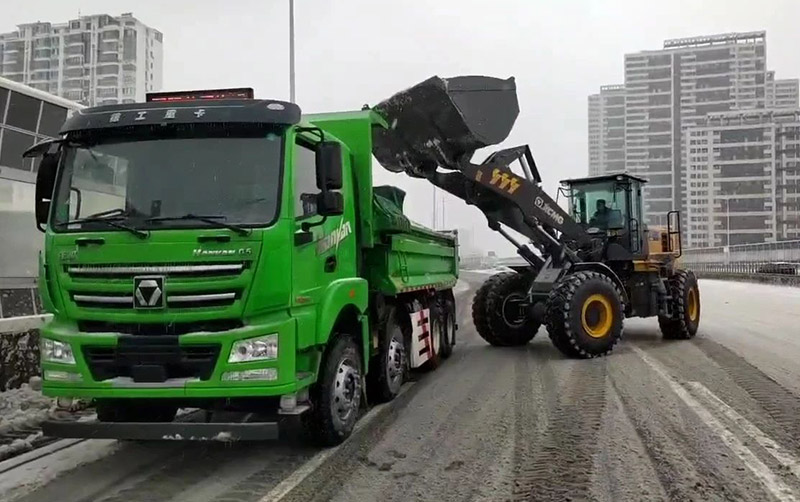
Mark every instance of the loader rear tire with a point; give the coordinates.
(505, 323)
(685, 307)
(584, 315)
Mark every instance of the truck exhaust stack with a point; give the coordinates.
(442, 121)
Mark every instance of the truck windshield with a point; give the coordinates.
(153, 180)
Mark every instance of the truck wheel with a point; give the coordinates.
(388, 368)
(122, 411)
(584, 315)
(336, 396)
(685, 307)
(506, 315)
(448, 328)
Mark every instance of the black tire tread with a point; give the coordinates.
(559, 303)
(677, 327)
(377, 384)
(502, 334)
(480, 313)
(318, 422)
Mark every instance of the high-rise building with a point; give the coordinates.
(94, 60)
(607, 130)
(743, 182)
(670, 90)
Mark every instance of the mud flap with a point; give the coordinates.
(440, 121)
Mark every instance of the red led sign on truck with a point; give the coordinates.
(171, 97)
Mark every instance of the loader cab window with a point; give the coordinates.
(601, 205)
(305, 180)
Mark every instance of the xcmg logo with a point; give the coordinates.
(548, 210)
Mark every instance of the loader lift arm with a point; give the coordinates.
(516, 202)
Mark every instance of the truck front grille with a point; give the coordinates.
(151, 359)
(185, 285)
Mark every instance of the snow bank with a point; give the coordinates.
(23, 408)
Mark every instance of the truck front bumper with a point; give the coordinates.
(287, 372)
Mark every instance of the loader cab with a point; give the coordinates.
(610, 205)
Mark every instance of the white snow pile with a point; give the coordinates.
(22, 408)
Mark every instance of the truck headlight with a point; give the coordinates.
(260, 348)
(54, 351)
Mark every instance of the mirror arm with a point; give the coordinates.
(306, 226)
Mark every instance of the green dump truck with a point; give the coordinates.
(210, 251)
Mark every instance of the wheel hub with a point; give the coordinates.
(346, 396)
(514, 310)
(395, 362)
(597, 316)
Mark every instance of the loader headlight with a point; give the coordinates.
(260, 348)
(54, 351)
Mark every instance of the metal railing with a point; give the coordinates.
(763, 258)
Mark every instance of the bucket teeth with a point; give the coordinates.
(440, 122)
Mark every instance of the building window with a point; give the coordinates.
(23, 111)
(13, 146)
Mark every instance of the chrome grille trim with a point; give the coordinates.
(154, 269)
(212, 297)
(117, 300)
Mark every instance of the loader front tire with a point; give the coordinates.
(685, 307)
(504, 320)
(584, 315)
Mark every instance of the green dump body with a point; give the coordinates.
(399, 255)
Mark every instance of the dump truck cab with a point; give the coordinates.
(209, 250)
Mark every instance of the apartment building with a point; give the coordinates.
(743, 183)
(94, 60)
(607, 130)
(671, 89)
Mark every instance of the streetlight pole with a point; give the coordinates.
(291, 51)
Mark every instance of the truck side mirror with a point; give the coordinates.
(330, 203)
(45, 182)
(329, 165)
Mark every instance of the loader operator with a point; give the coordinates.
(601, 216)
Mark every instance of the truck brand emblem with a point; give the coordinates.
(148, 292)
(222, 252)
(334, 238)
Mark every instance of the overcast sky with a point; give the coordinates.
(352, 52)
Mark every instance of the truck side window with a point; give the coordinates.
(305, 180)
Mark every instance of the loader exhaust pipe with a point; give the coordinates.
(443, 121)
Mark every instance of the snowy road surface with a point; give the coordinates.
(715, 418)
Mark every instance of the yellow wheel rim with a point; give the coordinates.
(693, 304)
(597, 316)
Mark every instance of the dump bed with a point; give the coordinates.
(399, 256)
(406, 256)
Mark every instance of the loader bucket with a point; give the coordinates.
(442, 120)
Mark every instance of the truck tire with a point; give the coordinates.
(685, 307)
(336, 396)
(448, 307)
(508, 324)
(584, 315)
(389, 367)
(125, 411)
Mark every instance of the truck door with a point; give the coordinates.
(330, 252)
